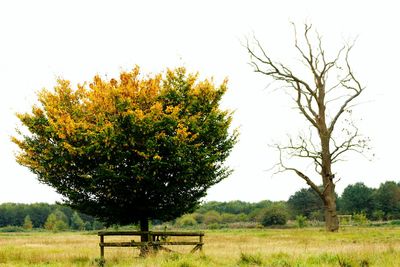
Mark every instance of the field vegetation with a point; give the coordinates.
(352, 246)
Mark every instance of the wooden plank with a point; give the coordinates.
(124, 244)
(122, 233)
(178, 233)
(197, 247)
(141, 244)
(164, 243)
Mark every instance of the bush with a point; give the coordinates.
(12, 229)
(212, 217)
(27, 223)
(274, 215)
(198, 217)
(301, 221)
(97, 225)
(360, 218)
(395, 222)
(378, 215)
(186, 220)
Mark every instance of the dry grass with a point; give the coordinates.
(265, 247)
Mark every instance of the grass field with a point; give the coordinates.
(263, 247)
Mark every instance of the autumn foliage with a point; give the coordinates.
(129, 149)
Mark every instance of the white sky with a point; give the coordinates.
(41, 40)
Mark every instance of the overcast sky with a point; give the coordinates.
(43, 40)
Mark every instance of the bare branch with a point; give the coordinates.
(356, 88)
(299, 173)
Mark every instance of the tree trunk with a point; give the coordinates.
(144, 227)
(329, 197)
(331, 218)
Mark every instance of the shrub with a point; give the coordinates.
(395, 222)
(378, 215)
(88, 226)
(97, 225)
(28, 223)
(186, 220)
(360, 218)
(301, 221)
(198, 217)
(274, 215)
(212, 217)
(11, 229)
(76, 222)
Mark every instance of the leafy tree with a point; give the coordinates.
(60, 216)
(132, 149)
(212, 217)
(28, 223)
(186, 220)
(387, 199)
(97, 225)
(50, 223)
(76, 222)
(301, 221)
(357, 198)
(324, 92)
(305, 202)
(39, 213)
(56, 221)
(88, 226)
(198, 217)
(274, 215)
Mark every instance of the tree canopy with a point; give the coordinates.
(129, 149)
(305, 202)
(357, 198)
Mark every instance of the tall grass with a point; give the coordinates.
(240, 247)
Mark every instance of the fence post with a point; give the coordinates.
(101, 246)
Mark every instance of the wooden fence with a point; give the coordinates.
(156, 240)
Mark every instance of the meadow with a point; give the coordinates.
(352, 246)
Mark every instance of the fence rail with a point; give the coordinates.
(156, 240)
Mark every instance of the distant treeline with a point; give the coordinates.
(377, 204)
(44, 215)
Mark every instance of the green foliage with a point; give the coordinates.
(28, 223)
(97, 225)
(16, 213)
(275, 215)
(131, 149)
(250, 259)
(76, 222)
(301, 221)
(198, 217)
(360, 218)
(88, 226)
(232, 207)
(357, 198)
(212, 217)
(56, 221)
(12, 229)
(50, 223)
(305, 202)
(378, 215)
(186, 220)
(60, 226)
(387, 199)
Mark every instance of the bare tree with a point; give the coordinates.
(324, 95)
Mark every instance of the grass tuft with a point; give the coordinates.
(250, 259)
